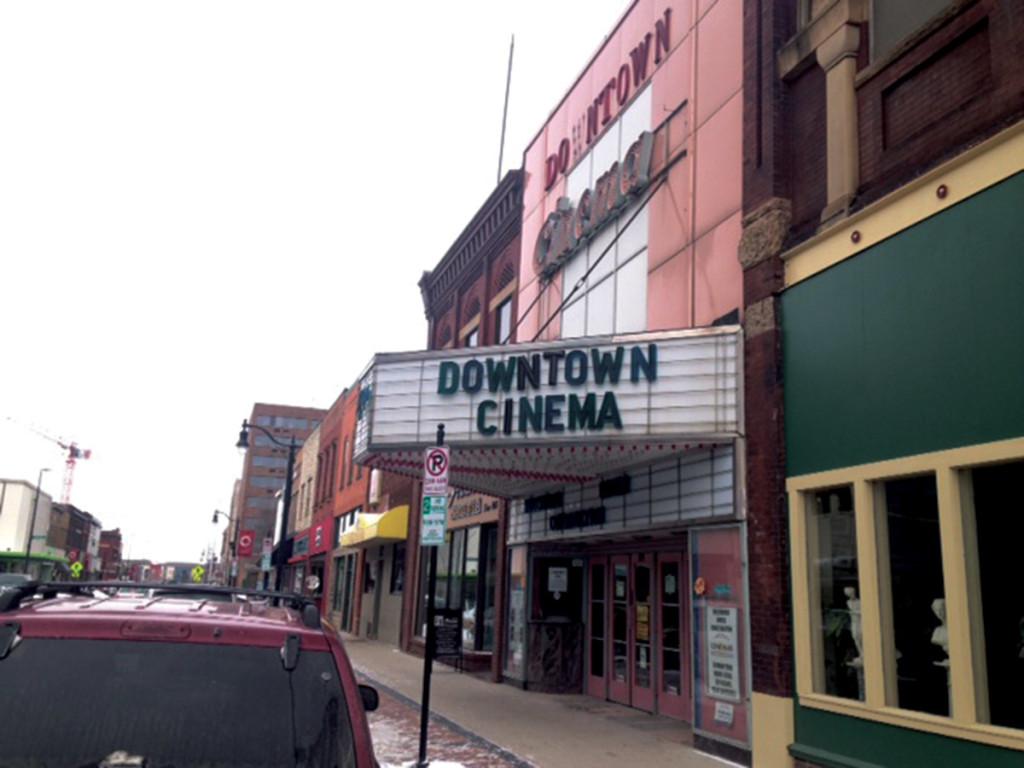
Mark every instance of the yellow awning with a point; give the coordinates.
(371, 530)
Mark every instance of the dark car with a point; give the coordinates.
(93, 677)
(11, 580)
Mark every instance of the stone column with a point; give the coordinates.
(837, 55)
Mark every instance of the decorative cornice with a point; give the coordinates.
(495, 224)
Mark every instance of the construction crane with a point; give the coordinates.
(72, 454)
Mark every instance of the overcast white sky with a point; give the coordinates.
(207, 203)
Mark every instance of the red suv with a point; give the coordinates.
(110, 675)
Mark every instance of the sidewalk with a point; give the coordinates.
(548, 731)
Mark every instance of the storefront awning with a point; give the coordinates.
(523, 418)
(372, 530)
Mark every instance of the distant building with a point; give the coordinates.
(93, 564)
(178, 573)
(16, 501)
(110, 553)
(77, 534)
(137, 570)
(228, 540)
(264, 475)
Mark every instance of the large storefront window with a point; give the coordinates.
(461, 585)
(344, 584)
(999, 526)
(929, 546)
(515, 652)
(918, 604)
(837, 635)
(490, 560)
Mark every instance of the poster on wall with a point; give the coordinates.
(723, 680)
(558, 579)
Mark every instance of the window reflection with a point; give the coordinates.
(921, 650)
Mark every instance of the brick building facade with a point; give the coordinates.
(471, 299)
(263, 479)
(866, 134)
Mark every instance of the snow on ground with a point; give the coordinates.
(396, 739)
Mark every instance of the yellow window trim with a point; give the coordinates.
(973, 171)
(961, 584)
(984, 453)
(469, 327)
(503, 294)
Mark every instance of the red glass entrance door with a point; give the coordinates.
(638, 633)
(618, 649)
(673, 678)
(642, 633)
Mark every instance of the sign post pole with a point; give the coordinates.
(435, 478)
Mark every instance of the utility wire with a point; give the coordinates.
(661, 179)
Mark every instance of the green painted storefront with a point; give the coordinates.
(912, 346)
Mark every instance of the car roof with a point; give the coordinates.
(174, 617)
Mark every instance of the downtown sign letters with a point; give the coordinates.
(642, 387)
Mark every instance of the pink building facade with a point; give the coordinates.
(674, 70)
(612, 421)
(631, 225)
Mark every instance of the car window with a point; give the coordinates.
(71, 703)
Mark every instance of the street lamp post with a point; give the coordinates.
(243, 443)
(32, 524)
(234, 543)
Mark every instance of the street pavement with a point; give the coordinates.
(501, 725)
(396, 732)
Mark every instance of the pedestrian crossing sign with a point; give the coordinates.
(76, 570)
(197, 573)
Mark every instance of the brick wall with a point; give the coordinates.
(806, 132)
(779, 118)
(770, 633)
(767, 25)
(956, 82)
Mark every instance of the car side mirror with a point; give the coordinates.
(370, 697)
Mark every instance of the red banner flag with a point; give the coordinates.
(245, 541)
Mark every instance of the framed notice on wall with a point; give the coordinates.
(723, 678)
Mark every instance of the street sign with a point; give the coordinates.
(436, 463)
(435, 521)
(197, 573)
(76, 569)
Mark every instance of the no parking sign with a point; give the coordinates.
(436, 462)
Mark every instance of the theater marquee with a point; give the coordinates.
(649, 386)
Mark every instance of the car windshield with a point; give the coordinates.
(72, 703)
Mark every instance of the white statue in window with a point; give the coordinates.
(940, 637)
(857, 632)
(853, 604)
